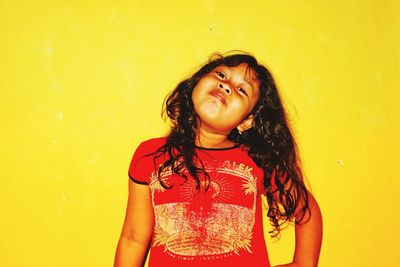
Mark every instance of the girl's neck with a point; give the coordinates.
(209, 139)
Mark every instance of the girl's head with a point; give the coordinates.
(224, 98)
(226, 95)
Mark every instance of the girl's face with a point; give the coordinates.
(225, 97)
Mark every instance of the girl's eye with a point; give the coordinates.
(242, 90)
(220, 74)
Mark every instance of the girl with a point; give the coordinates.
(195, 195)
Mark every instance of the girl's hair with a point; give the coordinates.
(270, 142)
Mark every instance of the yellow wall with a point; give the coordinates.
(82, 82)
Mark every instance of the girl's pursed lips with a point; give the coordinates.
(218, 95)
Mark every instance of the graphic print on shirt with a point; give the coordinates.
(217, 221)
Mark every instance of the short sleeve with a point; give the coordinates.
(142, 163)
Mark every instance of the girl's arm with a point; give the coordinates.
(138, 227)
(308, 238)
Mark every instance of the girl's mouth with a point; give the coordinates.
(218, 96)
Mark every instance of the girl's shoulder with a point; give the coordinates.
(151, 145)
(144, 151)
(155, 141)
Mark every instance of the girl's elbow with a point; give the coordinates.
(139, 239)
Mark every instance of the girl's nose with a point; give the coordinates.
(225, 88)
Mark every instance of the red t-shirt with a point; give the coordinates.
(221, 226)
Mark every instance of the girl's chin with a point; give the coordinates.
(210, 110)
(211, 107)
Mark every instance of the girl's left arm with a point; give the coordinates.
(308, 238)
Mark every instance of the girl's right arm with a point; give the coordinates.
(137, 229)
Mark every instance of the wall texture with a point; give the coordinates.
(82, 83)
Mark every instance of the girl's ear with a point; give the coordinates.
(246, 124)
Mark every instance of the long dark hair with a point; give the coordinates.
(270, 142)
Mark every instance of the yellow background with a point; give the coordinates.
(82, 83)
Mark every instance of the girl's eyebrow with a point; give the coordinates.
(221, 67)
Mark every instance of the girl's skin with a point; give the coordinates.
(223, 100)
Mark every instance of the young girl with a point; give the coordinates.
(195, 195)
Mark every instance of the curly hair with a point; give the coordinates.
(270, 142)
